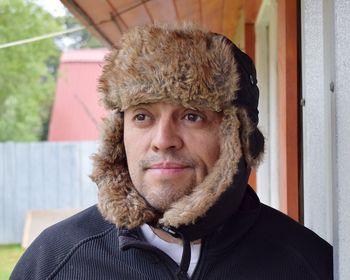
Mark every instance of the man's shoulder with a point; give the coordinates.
(282, 227)
(84, 224)
(58, 242)
(300, 244)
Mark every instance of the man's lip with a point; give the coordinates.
(168, 165)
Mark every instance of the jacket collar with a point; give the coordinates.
(223, 238)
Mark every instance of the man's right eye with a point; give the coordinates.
(140, 117)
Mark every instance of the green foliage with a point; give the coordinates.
(80, 39)
(27, 82)
(9, 255)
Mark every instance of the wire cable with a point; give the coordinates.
(38, 38)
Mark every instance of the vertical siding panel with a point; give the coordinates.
(50, 155)
(88, 188)
(42, 175)
(21, 204)
(79, 189)
(75, 174)
(37, 193)
(9, 192)
(2, 193)
(64, 176)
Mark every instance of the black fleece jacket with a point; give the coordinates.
(258, 242)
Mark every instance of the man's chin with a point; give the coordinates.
(162, 202)
(161, 195)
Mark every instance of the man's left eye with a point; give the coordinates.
(193, 117)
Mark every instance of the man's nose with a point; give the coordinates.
(167, 136)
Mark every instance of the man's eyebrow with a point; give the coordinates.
(139, 106)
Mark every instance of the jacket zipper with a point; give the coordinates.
(199, 268)
(164, 258)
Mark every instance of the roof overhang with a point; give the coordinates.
(109, 19)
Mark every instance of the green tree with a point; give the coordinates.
(77, 40)
(27, 81)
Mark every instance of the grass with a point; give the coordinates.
(9, 255)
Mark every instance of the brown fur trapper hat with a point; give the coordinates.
(188, 66)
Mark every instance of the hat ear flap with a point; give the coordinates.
(256, 144)
(118, 200)
(111, 158)
(253, 141)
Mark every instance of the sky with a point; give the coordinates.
(54, 7)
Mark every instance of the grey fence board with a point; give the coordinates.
(44, 175)
(37, 190)
(22, 203)
(88, 194)
(2, 183)
(51, 173)
(9, 191)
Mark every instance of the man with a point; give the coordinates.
(172, 172)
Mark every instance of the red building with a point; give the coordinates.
(76, 112)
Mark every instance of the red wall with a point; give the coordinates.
(76, 113)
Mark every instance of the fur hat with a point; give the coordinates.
(188, 66)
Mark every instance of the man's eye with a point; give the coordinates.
(193, 117)
(140, 117)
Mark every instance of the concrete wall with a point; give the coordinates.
(341, 192)
(318, 116)
(326, 89)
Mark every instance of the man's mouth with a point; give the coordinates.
(167, 167)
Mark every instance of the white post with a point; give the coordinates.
(266, 64)
(341, 207)
(326, 120)
(317, 118)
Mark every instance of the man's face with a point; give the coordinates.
(170, 149)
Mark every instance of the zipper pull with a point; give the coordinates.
(186, 252)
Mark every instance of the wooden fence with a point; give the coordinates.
(44, 175)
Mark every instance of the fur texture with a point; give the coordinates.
(183, 65)
(188, 66)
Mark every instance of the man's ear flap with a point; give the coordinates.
(256, 145)
(253, 141)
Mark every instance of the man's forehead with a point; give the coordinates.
(167, 105)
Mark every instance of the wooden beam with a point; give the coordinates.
(176, 10)
(288, 98)
(136, 16)
(189, 10)
(251, 10)
(148, 13)
(231, 16)
(212, 17)
(200, 12)
(162, 11)
(86, 20)
(116, 16)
